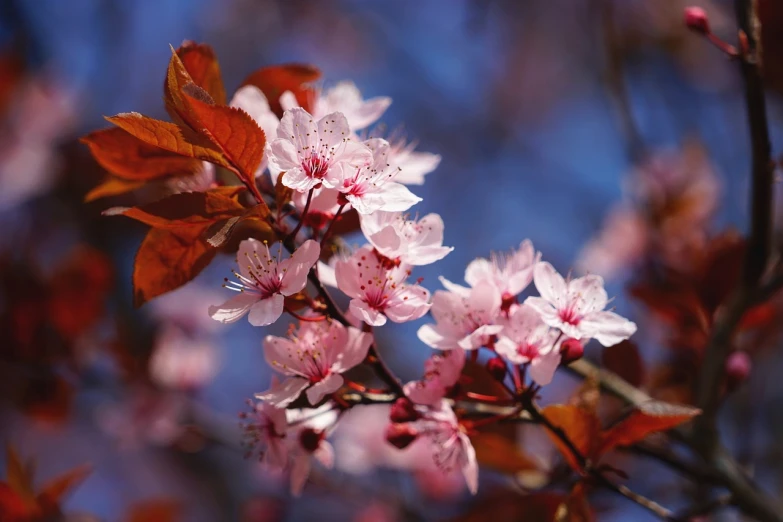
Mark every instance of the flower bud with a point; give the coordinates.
(401, 435)
(310, 439)
(696, 20)
(571, 350)
(403, 411)
(738, 367)
(497, 368)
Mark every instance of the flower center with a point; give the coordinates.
(569, 316)
(315, 167)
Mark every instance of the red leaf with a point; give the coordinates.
(132, 159)
(274, 81)
(54, 490)
(580, 426)
(19, 476)
(157, 510)
(201, 63)
(12, 507)
(649, 417)
(497, 452)
(234, 133)
(112, 186)
(167, 259)
(624, 360)
(181, 211)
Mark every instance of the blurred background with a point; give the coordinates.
(551, 116)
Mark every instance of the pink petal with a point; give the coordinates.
(347, 278)
(591, 291)
(295, 178)
(408, 305)
(607, 328)
(284, 393)
(278, 354)
(333, 129)
(479, 270)
(479, 337)
(363, 311)
(354, 351)
(549, 283)
(298, 266)
(324, 387)
(324, 454)
(470, 468)
(415, 165)
(299, 127)
(266, 311)
(234, 308)
(542, 368)
(432, 337)
(300, 470)
(282, 155)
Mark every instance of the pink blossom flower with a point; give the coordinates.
(526, 339)
(411, 242)
(182, 361)
(510, 273)
(314, 153)
(464, 317)
(262, 282)
(265, 432)
(622, 242)
(313, 359)
(441, 373)
(378, 291)
(451, 446)
(414, 165)
(372, 187)
(345, 98)
(576, 307)
(307, 442)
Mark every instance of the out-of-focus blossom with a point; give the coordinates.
(576, 307)
(265, 431)
(621, 242)
(464, 317)
(314, 153)
(378, 291)
(313, 359)
(346, 98)
(200, 181)
(413, 242)
(251, 100)
(145, 417)
(526, 339)
(262, 282)
(441, 373)
(373, 187)
(181, 361)
(306, 437)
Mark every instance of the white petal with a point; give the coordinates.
(543, 367)
(282, 155)
(332, 130)
(549, 283)
(363, 311)
(607, 328)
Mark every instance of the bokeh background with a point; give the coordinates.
(540, 110)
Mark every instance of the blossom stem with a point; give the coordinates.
(305, 318)
(292, 235)
(331, 224)
(472, 425)
(484, 398)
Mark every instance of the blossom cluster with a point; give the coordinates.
(331, 169)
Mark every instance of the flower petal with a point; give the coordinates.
(324, 387)
(549, 283)
(296, 268)
(285, 392)
(366, 313)
(234, 308)
(266, 311)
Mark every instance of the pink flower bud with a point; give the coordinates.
(571, 350)
(497, 368)
(401, 435)
(696, 20)
(738, 367)
(403, 411)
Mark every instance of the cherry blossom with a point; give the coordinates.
(308, 429)
(414, 165)
(441, 373)
(346, 98)
(265, 431)
(510, 273)
(313, 153)
(182, 361)
(313, 359)
(262, 282)
(373, 187)
(526, 339)
(451, 446)
(576, 307)
(379, 291)
(464, 317)
(413, 242)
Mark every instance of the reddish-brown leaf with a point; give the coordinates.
(132, 159)
(274, 81)
(580, 426)
(167, 259)
(180, 211)
(19, 476)
(168, 136)
(53, 491)
(649, 417)
(12, 507)
(201, 63)
(112, 186)
(575, 508)
(497, 452)
(624, 360)
(177, 80)
(234, 133)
